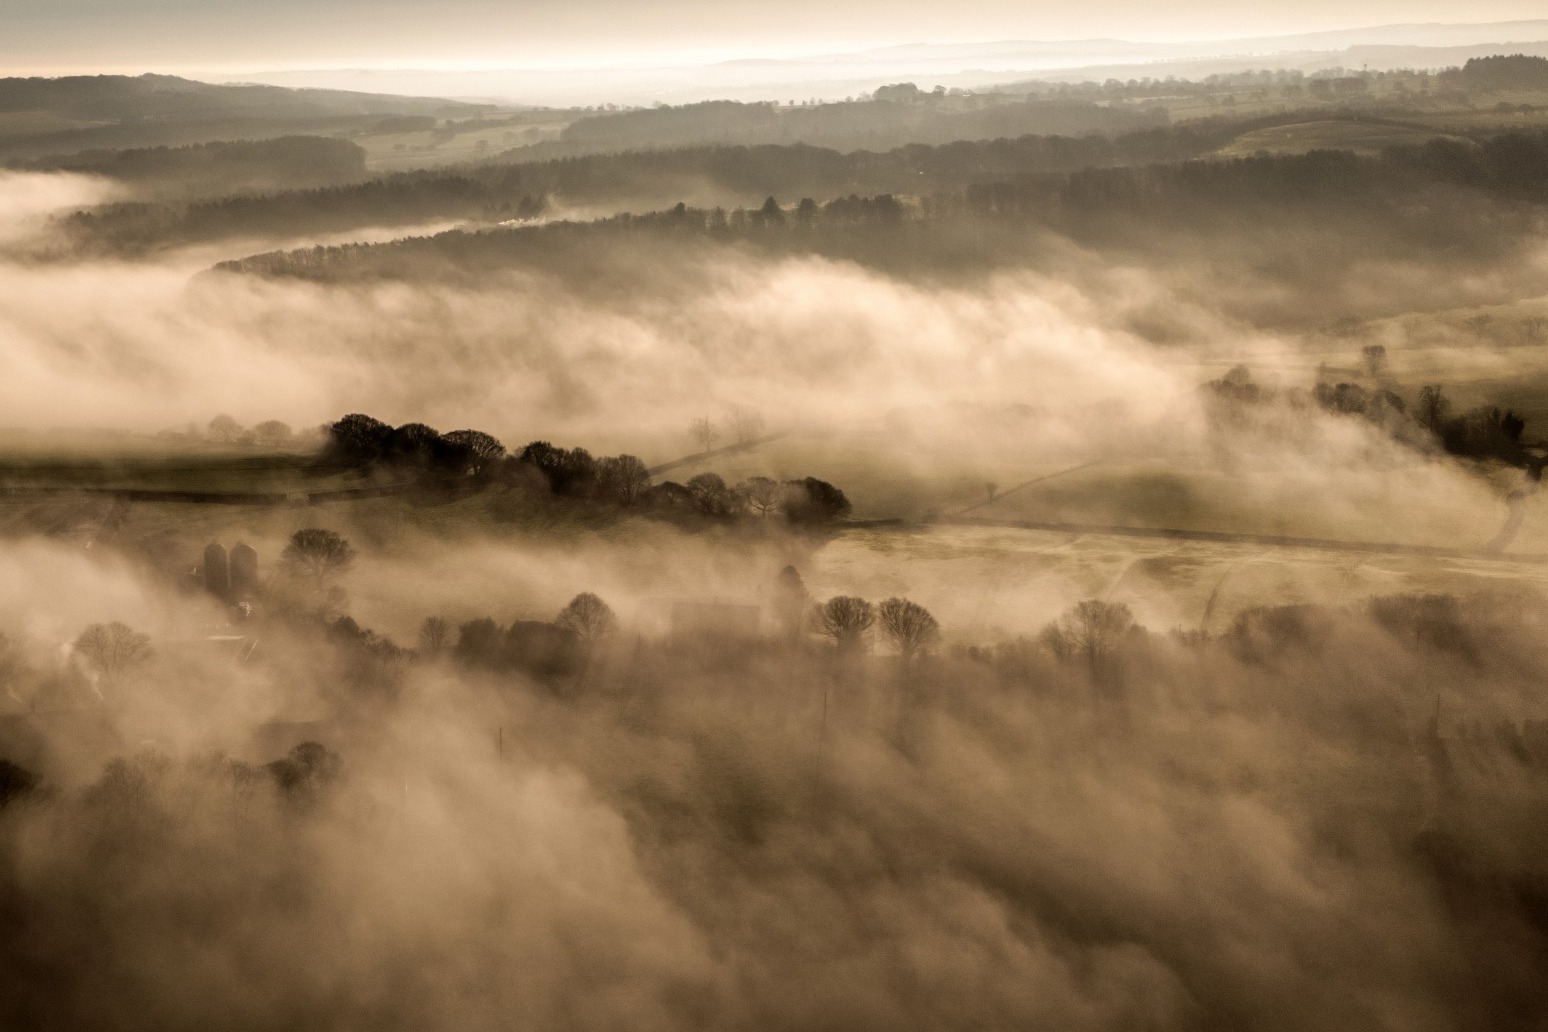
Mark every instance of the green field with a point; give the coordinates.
(454, 141)
(1359, 135)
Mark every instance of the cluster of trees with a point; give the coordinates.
(546, 651)
(1393, 751)
(112, 649)
(879, 124)
(369, 664)
(224, 430)
(1099, 637)
(1506, 72)
(317, 555)
(1399, 92)
(906, 625)
(807, 501)
(1194, 191)
(574, 473)
(840, 223)
(301, 775)
(225, 167)
(550, 651)
(126, 786)
(744, 424)
(1485, 432)
(361, 441)
(1103, 640)
(100, 659)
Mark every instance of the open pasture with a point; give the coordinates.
(988, 584)
(1363, 136)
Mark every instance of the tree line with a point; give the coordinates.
(225, 167)
(501, 190)
(1485, 432)
(987, 222)
(477, 459)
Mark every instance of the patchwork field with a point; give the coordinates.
(1361, 136)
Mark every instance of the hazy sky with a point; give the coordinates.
(57, 36)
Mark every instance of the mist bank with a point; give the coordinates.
(632, 664)
(216, 169)
(973, 66)
(1263, 233)
(1310, 817)
(619, 365)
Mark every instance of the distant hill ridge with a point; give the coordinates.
(169, 96)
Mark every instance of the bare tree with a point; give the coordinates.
(271, 433)
(909, 626)
(704, 433)
(589, 617)
(845, 619)
(317, 555)
(113, 648)
(482, 450)
(623, 478)
(224, 429)
(746, 425)
(1091, 630)
(432, 634)
(762, 494)
(713, 497)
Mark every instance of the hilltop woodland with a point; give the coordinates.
(1457, 207)
(50, 119)
(498, 192)
(217, 168)
(732, 155)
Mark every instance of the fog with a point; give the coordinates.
(1276, 765)
(1224, 840)
(153, 345)
(771, 69)
(600, 52)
